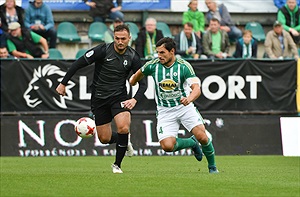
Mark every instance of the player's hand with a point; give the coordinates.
(61, 89)
(185, 101)
(129, 104)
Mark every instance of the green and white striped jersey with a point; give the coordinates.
(171, 83)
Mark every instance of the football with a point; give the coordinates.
(85, 127)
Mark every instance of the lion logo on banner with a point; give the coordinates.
(47, 77)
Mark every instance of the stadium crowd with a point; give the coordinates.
(201, 36)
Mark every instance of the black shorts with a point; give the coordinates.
(104, 110)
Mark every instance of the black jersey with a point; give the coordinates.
(111, 70)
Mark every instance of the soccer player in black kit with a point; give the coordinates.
(113, 63)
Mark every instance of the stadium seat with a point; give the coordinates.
(80, 53)
(258, 32)
(299, 51)
(134, 30)
(67, 32)
(96, 31)
(164, 27)
(55, 54)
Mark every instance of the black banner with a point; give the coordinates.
(53, 135)
(228, 85)
(248, 85)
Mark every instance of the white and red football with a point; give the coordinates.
(85, 127)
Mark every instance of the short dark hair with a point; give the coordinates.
(122, 27)
(167, 42)
(189, 24)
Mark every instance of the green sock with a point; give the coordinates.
(182, 143)
(209, 152)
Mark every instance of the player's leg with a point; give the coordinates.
(207, 147)
(122, 121)
(102, 114)
(167, 131)
(193, 122)
(103, 118)
(189, 118)
(104, 133)
(172, 144)
(130, 150)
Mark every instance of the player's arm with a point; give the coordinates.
(80, 63)
(194, 94)
(130, 104)
(85, 60)
(136, 77)
(142, 82)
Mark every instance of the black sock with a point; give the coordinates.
(121, 147)
(114, 137)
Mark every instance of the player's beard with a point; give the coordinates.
(121, 49)
(166, 61)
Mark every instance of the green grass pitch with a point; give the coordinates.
(150, 176)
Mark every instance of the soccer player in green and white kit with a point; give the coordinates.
(176, 87)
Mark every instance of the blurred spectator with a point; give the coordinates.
(147, 39)
(39, 18)
(279, 43)
(4, 53)
(23, 43)
(195, 17)
(188, 44)
(289, 16)
(100, 10)
(10, 12)
(109, 34)
(215, 41)
(221, 13)
(246, 47)
(280, 3)
(2, 37)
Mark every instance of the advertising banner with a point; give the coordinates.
(248, 85)
(231, 85)
(126, 5)
(53, 135)
(233, 6)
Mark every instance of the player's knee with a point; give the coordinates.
(103, 140)
(103, 137)
(199, 133)
(167, 146)
(203, 139)
(123, 129)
